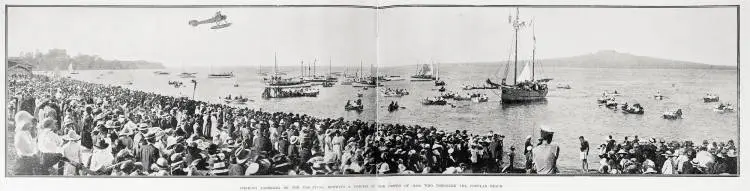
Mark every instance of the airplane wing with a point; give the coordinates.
(217, 18)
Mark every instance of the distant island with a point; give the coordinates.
(614, 59)
(58, 59)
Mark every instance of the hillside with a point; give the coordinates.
(613, 59)
(59, 59)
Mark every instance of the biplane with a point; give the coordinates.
(219, 21)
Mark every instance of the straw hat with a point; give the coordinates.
(252, 168)
(125, 132)
(622, 151)
(71, 136)
(162, 163)
(110, 124)
(143, 126)
(242, 156)
(384, 168)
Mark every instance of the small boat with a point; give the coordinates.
(128, 83)
(442, 89)
(439, 83)
(658, 97)
(437, 101)
(604, 99)
(634, 109)
(465, 97)
(392, 94)
(236, 100)
(395, 92)
(176, 84)
(612, 104)
(482, 98)
(236, 85)
(710, 98)
(327, 84)
(393, 107)
(186, 75)
(353, 107)
(563, 86)
(724, 108)
(675, 114)
(161, 73)
(449, 95)
(359, 95)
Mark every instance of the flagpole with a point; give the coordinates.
(195, 85)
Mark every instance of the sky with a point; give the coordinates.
(347, 36)
(704, 35)
(163, 35)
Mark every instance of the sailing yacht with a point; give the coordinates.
(71, 70)
(276, 80)
(260, 71)
(524, 87)
(423, 73)
(438, 81)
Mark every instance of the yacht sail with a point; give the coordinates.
(526, 75)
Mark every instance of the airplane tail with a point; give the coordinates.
(193, 23)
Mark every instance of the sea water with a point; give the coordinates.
(569, 112)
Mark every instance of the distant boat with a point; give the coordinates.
(438, 101)
(222, 75)
(71, 70)
(422, 73)
(724, 108)
(524, 87)
(438, 81)
(710, 98)
(187, 75)
(161, 73)
(563, 86)
(672, 114)
(219, 75)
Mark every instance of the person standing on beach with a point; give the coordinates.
(527, 147)
(545, 155)
(584, 154)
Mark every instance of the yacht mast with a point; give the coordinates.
(533, 51)
(515, 48)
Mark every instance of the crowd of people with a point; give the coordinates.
(652, 156)
(69, 127)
